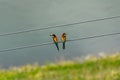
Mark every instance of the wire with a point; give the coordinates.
(58, 26)
(31, 46)
(23, 47)
(97, 36)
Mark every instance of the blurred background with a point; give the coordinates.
(21, 15)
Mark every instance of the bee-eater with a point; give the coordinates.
(63, 38)
(55, 40)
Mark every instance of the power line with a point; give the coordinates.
(31, 46)
(23, 47)
(58, 26)
(97, 36)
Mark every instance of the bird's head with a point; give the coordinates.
(64, 34)
(53, 35)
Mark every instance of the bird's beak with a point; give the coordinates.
(50, 34)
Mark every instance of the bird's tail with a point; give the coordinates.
(57, 46)
(63, 45)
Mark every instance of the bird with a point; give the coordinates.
(55, 40)
(63, 39)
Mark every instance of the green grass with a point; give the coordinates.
(92, 68)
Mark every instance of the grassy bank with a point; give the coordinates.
(102, 68)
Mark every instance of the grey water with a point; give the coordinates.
(20, 15)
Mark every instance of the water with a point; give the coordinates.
(24, 15)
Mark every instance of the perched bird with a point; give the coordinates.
(63, 38)
(55, 40)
